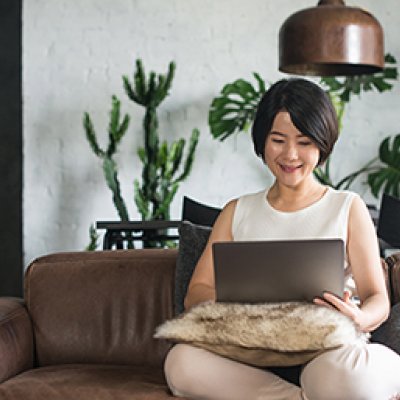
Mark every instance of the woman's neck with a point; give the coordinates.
(284, 198)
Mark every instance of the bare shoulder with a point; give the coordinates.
(359, 216)
(362, 239)
(230, 206)
(222, 229)
(229, 209)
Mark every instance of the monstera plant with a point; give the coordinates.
(386, 176)
(233, 111)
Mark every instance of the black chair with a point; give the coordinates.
(198, 213)
(120, 234)
(389, 223)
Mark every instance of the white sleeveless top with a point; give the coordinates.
(255, 219)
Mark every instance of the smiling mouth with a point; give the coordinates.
(289, 169)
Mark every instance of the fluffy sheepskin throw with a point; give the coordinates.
(274, 334)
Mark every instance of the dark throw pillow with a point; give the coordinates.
(192, 241)
(389, 332)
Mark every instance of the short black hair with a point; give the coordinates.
(309, 107)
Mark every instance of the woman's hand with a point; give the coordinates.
(345, 306)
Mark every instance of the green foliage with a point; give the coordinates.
(152, 91)
(94, 237)
(344, 88)
(116, 130)
(91, 135)
(194, 138)
(234, 109)
(323, 175)
(341, 90)
(162, 172)
(160, 181)
(111, 176)
(387, 177)
(164, 166)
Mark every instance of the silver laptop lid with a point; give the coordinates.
(276, 271)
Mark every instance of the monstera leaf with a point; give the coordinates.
(387, 177)
(354, 85)
(235, 108)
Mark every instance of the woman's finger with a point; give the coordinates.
(324, 303)
(343, 305)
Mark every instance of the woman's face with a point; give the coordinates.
(289, 154)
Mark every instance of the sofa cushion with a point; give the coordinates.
(192, 241)
(100, 307)
(84, 382)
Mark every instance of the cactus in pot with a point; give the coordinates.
(164, 165)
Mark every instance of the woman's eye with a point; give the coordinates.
(277, 140)
(305, 143)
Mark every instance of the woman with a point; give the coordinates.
(294, 131)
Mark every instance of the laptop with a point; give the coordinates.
(278, 271)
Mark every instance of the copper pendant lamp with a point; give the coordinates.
(331, 39)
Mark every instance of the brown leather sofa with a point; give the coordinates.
(85, 328)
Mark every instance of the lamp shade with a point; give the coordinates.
(331, 39)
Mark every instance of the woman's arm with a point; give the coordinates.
(202, 285)
(363, 255)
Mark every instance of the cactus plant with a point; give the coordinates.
(161, 162)
(164, 165)
(116, 130)
(94, 237)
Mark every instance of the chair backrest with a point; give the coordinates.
(389, 220)
(199, 213)
(101, 307)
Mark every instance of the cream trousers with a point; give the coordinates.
(352, 372)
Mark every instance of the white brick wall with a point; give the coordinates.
(75, 53)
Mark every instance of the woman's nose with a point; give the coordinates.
(290, 152)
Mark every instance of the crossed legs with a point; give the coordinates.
(357, 372)
(199, 374)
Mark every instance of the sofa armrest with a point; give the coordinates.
(393, 277)
(16, 338)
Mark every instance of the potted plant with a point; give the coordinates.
(164, 165)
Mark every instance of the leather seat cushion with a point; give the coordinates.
(87, 381)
